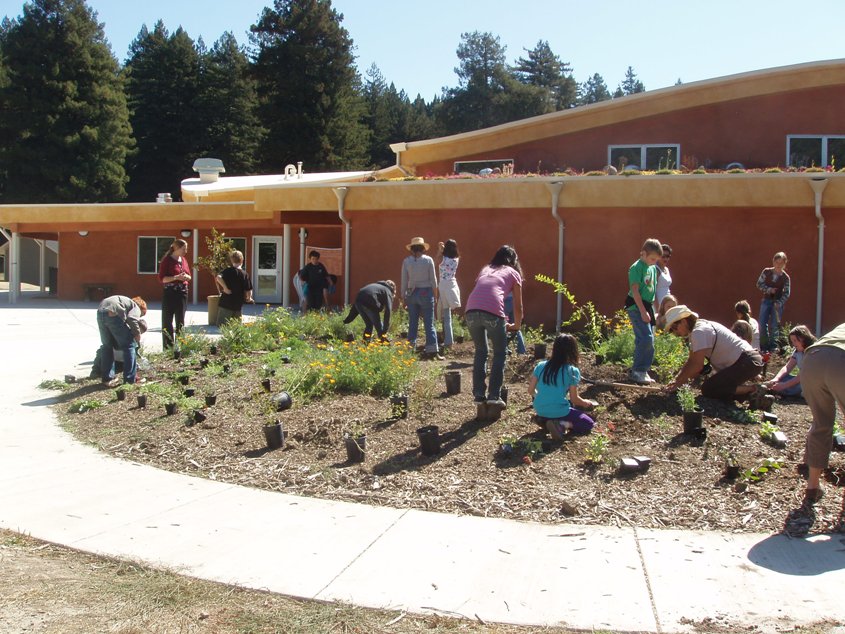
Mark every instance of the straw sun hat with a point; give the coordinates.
(417, 242)
(677, 313)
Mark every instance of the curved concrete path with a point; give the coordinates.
(622, 579)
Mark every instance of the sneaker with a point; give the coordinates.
(111, 382)
(497, 402)
(641, 377)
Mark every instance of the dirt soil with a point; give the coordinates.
(685, 486)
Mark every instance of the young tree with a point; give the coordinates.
(631, 85)
(309, 92)
(162, 83)
(227, 107)
(593, 90)
(64, 124)
(542, 68)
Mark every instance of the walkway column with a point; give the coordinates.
(14, 268)
(286, 276)
(42, 264)
(196, 281)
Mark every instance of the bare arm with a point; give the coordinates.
(576, 400)
(638, 300)
(532, 385)
(692, 368)
(517, 308)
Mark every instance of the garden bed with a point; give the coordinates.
(684, 487)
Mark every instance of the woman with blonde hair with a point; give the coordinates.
(174, 272)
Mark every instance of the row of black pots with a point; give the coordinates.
(210, 400)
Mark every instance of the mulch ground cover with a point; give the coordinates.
(684, 487)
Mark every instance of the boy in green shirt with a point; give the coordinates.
(642, 280)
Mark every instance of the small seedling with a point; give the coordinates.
(686, 398)
(80, 407)
(756, 474)
(772, 433)
(597, 447)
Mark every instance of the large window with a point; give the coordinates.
(644, 157)
(150, 251)
(491, 166)
(807, 150)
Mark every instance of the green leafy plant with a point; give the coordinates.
(670, 354)
(767, 430)
(594, 321)
(53, 384)
(85, 405)
(729, 457)
(597, 447)
(219, 250)
(837, 428)
(686, 398)
(533, 335)
(742, 415)
(355, 429)
(757, 473)
(191, 343)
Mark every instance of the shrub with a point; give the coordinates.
(593, 320)
(686, 398)
(191, 344)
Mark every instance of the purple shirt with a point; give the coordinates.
(491, 287)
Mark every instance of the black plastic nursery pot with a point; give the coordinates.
(121, 395)
(356, 447)
(227, 368)
(732, 471)
(210, 399)
(429, 440)
(503, 393)
(177, 354)
(203, 363)
(275, 436)
(453, 382)
(692, 420)
(142, 401)
(199, 416)
(212, 349)
(170, 408)
(539, 351)
(399, 403)
(282, 401)
(189, 392)
(265, 383)
(184, 380)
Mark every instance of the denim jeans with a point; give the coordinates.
(771, 312)
(482, 325)
(795, 390)
(643, 341)
(114, 333)
(421, 303)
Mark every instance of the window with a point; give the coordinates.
(150, 251)
(239, 244)
(644, 157)
(807, 150)
(505, 166)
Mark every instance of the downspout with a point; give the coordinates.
(11, 265)
(818, 184)
(341, 192)
(555, 188)
(286, 277)
(42, 264)
(195, 285)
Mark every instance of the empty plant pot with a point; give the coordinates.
(265, 383)
(184, 380)
(459, 339)
(142, 401)
(210, 399)
(203, 363)
(177, 354)
(69, 378)
(429, 440)
(199, 416)
(121, 395)
(503, 393)
(539, 351)
(453, 382)
(282, 401)
(628, 465)
(275, 436)
(692, 420)
(285, 359)
(227, 368)
(170, 408)
(769, 417)
(189, 392)
(356, 448)
(732, 471)
(599, 359)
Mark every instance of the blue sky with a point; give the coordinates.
(414, 43)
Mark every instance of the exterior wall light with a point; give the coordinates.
(185, 233)
(83, 233)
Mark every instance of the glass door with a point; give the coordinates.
(267, 269)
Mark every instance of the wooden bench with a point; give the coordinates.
(104, 287)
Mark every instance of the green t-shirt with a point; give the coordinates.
(646, 276)
(835, 338)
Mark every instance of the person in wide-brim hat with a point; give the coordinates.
(677, 313)
(417, 242)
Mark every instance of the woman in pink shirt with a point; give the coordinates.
(486, 317)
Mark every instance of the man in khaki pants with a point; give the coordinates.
(823, 382)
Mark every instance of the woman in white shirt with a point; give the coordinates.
(450, 294)
(664, 278)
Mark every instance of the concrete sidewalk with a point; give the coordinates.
(622, 579)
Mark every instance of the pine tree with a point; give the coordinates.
(309, 92)
(64, 125)
(593, 90)
(631, 85)
(227, 107)
(162, 79)
(389, 113)
(542, 68)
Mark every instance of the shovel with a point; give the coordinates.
(628, 386)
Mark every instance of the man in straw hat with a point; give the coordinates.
(732, 359)
(419, 292)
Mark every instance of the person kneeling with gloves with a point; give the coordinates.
(370, 301)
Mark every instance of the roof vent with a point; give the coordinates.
(209, 169)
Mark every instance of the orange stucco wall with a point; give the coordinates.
(751, 131)
(111, 257)
(718, 253)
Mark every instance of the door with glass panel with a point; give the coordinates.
(267, 269)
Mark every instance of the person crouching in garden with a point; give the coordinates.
(783, 382)
(370, 301)
(236, 289)
(120, 325)
(733, 361)
(554, 388)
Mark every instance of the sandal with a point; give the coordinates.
(811, 496)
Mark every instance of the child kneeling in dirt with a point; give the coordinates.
(554, 387)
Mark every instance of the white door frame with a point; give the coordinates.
(276, 298)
